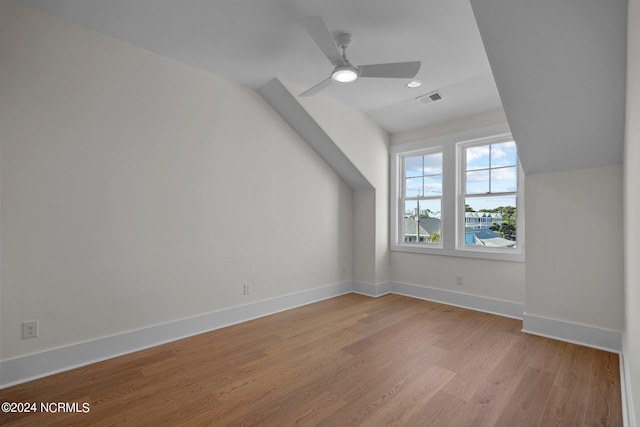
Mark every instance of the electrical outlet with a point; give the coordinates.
(247, 288)
(459, 280)
(29, 329)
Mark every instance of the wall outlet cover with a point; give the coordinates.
(30, 329)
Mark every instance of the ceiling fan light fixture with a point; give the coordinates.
(335, 49)
(344, 74)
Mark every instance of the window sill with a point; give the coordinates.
(495, 255)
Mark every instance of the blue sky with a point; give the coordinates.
(427, 167)
(492, 168)
(488, 168)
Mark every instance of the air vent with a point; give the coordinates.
(429, 98)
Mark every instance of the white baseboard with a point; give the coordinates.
(372, 290)
(458, 299)
(590, 336)
(38, 365)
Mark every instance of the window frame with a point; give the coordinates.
(461, 195)
(452, 215)
(402, 197)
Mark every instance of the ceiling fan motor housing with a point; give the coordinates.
(343, 40)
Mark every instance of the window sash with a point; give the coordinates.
(464, 170)
(402, 175)
(463, 194)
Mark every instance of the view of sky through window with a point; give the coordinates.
(491, 169)
(490, 187)
(423, 175)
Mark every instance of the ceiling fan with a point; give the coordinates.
(344, 71)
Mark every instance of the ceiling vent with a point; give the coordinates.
(429, 98)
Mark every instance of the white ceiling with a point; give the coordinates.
(252, 41)
(560, 67)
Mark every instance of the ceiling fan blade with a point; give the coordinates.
(320, 34)
(317, 88)
(398, 70)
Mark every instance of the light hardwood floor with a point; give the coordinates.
(350, 360)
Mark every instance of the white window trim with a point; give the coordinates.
(452, 222)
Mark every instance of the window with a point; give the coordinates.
(489, 192)
(421, 200)
(459, 195)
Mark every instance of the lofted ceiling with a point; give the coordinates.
(559, 67)
(253, 41)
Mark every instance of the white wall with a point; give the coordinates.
(364, 245)
(632, 205)
(367, 146)
(574, 268)
(137, 190)
(476, 121)
(500, 280)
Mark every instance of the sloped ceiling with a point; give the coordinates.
(253, 41)
(559, 66)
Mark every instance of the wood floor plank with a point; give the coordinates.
(491, 399)
(525, 406)
(454, 325)
(408, 401)
(350, 360)
(604, 396)
(438, 411)
(567, 404)
(477, 357)
(548, 352)
(383, 382)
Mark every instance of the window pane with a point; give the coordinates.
(504, 180)
(430, 208)
(477, 157)
(433, 164)
(423, 175)
(410, 208)
(413, 166)
(422, 221)
(504, 154)
(477, 182)
(413, 187)
(490, 222)
(433, 185)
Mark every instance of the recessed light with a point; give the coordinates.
(414, 83)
